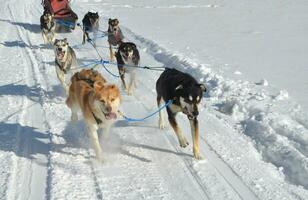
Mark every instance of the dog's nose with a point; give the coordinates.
(126, 54)
(195, 113)
(59, 49)
(115, 29)
(108, 108)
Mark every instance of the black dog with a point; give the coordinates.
(90, 23)
(128, 54)
(185, 93)
(115, 35)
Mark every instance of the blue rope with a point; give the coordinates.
(91, 63)
(150, 115)
(103, 62)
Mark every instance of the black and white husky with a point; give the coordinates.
(48, 27)
(128, 59)
(186, 94)
(90, 23)
(65, 61)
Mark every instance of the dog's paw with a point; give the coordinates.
(198, 156)
(74, 117)
(129, 92)
(161, 125)
(183, 143)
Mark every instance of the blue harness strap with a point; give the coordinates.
(148, 116)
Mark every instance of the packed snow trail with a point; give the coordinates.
(45, 156)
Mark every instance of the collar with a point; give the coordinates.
(98, 120)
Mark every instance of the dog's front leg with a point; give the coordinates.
(92, 133)
(132, 83)
(84, 38)
(61, 77)
(122, 76)
(45, 37)
(171, 117)
(112, 57)
(52, 36)
(161, 122)
(194, 125)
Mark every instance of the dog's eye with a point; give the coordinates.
(103, 101)
(112, 99)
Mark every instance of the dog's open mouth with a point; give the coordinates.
(60, 54)
(110, 115)
(189, 115)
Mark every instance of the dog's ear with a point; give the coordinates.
(65, 40)
(109, 20)
(98, 85)
(134, 45)
(55, 42)
(202, 86)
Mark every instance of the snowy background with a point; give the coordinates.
(253, 123)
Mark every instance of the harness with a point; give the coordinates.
(98, 120)
(61, 67)
(91, 84)
(89, 81)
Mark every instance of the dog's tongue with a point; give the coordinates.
(111, 116)
(60, 55)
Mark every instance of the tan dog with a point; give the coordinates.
(98, 101)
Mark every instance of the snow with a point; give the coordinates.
(253, 135)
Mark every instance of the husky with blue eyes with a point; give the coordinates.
(186, 94)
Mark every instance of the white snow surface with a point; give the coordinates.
(253, 132)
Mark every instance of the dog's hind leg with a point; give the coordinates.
(171, 117)
(195, 135)
(92, 133)
(161, 122)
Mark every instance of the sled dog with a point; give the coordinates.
(185, 93)
(90, 23)
(128, 54)
(65, 61)
(115, 36)
(48, 27)
(98, 102)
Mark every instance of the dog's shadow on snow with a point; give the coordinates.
(22, 44)
(24, 141)
(34, 28)
(33, 93)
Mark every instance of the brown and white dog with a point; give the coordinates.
(115, 36)
(48, 27)
(186, 94)
(65, 61)
(98, 102)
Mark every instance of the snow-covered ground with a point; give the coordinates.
(253, 133)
